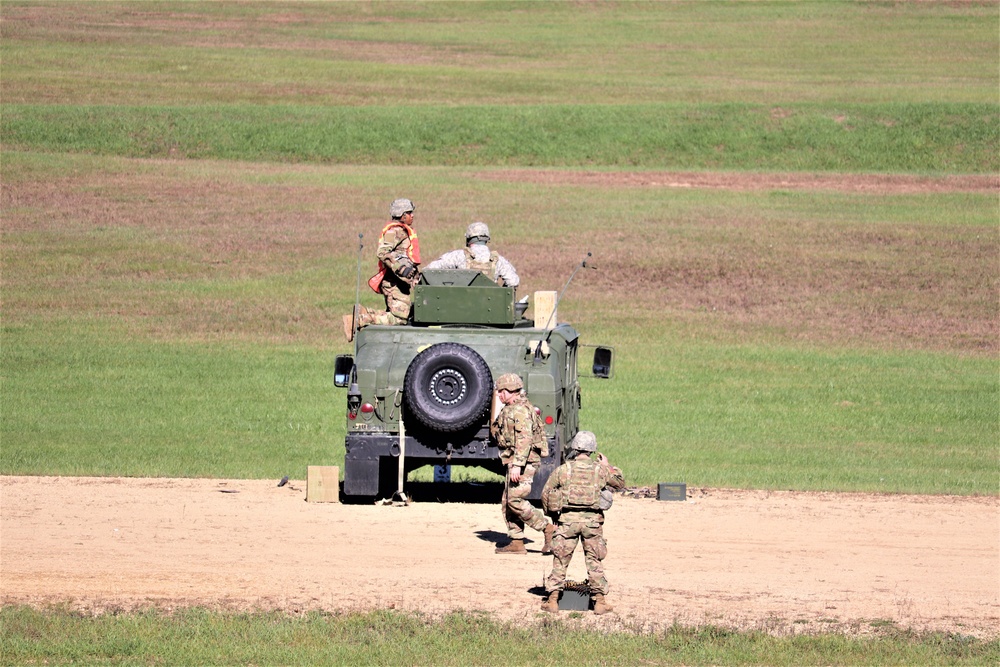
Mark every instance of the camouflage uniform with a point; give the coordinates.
(519, 445)
(394, 250)
(398, 270)
(578, 484)
(477, 255)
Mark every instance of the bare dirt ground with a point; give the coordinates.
(778, 561)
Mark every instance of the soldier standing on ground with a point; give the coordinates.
(521, 440)
(477, 255)
(398, 271)
(573, 492)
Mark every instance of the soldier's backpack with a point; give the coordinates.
(487, 268)
(584, 488)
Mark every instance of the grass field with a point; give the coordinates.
(181, 318)
(523, 53)
(196, 637)
(183, 186)
(798, 137)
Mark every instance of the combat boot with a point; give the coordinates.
(551, 602)
(547, 547)
(363, 316)
(513, 547)
(349, 327)
(600, 604)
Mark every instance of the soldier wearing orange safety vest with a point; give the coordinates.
(398, 271)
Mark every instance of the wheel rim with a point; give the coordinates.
(448, 386)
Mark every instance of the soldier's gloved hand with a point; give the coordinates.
(406, 270)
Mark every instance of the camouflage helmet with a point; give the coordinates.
(477, 230)
(510, 382)
(584, 441)
(400, 206)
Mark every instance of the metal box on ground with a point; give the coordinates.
(575, 597)
(323, 484)
(668, 491)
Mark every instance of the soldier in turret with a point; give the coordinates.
(398, 255)
(520, 437)
(477, 255)
(574, 493)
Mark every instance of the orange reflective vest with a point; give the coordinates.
(413, 252)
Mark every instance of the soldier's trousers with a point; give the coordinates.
(385, 318)
(517, 511)
(398, 303)
(587, 527)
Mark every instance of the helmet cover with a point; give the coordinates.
(510, 382)
(477, 229)
(400, 206)
(584, 441)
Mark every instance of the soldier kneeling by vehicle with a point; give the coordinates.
(578, 492)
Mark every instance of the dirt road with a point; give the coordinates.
(779, 561)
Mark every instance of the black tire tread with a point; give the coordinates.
(423, 405)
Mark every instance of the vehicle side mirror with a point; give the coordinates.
(343, 367)
(603, 358)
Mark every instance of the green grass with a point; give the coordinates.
(832, 86)
(197, 637)
(747, 416)
(956, 138)
(498, 53)
(710, 415)
(106, 405)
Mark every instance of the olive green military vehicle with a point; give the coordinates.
(424, 393)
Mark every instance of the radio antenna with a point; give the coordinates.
(357, 296)
(353, 393)
(555, 309)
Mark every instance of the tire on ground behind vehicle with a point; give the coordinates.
(448, 387)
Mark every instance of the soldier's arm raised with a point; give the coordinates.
(615, 478)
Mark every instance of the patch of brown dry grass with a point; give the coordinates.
(229, 253)
(746, 181)
(287, 28)
(922, 288)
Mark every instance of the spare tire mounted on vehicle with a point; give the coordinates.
(448, 387)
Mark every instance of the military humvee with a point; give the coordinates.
(424, 393)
